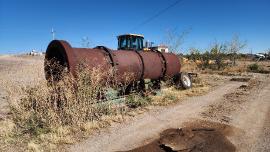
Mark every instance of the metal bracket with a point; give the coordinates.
(137, 52)
(107, 52)
(164, 70)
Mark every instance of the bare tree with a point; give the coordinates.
(235, 46)
(268, 53)
(217, 52)
(195, 54)
(174, 39)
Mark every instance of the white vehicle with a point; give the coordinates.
(260, 56)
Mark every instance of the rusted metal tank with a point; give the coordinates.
(152, 65)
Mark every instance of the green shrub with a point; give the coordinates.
(253, 67)
(135, 101)
(257, 69)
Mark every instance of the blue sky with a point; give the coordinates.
(26, 24)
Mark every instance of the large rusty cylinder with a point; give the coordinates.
(136, 65)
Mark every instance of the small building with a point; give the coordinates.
(161, 48)
(35, 53)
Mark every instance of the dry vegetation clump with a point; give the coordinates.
(45, 106)
(53, 113)
(234, 70)
(229, 70)
(7, 127)
(189, 66)
(242, 68)
(48, 115)
(172, 95)
(135, 101)
(257, 68)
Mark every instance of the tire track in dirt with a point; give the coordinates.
(254, 119)
(247, 109)
(146, 127)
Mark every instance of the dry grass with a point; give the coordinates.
(51, 112)
(234, 70)
(32, 146)
(67, 102)
(45, 117)
(242, 68)
(90, 126)
(7, 128)
(258, 68)
(190, 66)
(172, 95)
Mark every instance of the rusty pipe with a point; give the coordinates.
(142, 65)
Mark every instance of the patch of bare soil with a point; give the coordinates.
(231, 101)
(240, 79)
(214, 80)
(200, 136)
(246, 108)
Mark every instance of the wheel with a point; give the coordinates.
(186, 81)
(182, 80)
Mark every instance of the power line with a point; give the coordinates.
(156, 15)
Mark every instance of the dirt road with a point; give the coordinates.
(249, 115)
(148, 126)
(253, 117)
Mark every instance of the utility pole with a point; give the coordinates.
(53, 34)
(85, 42)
